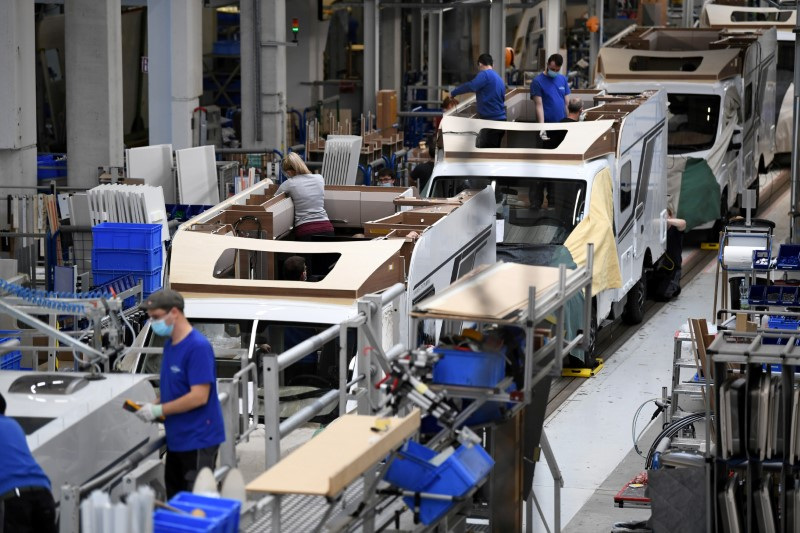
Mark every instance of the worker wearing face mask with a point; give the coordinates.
(189, 403)
(550, 92)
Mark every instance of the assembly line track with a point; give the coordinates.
(612, 337)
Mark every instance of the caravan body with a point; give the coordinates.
(229, 267)
(745, 19)
(721, 93)
(604, 183)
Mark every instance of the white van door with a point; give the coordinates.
(625, 225)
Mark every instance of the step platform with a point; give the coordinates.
(583, 372)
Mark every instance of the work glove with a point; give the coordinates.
(150, 412)
(543, 135)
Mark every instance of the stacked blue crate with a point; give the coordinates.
(128, 249)
(10, 360)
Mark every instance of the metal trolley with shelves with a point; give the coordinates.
(753, 484)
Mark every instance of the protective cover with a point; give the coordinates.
(598, 228)
(699, 203)
(678, 497)
(783, 126)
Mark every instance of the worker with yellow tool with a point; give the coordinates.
(189, 403)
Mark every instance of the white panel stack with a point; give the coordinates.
(138, 204)
(153, 164)
(340, 162)
(197, 176)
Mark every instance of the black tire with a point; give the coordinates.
(633, 313)
(722, 221)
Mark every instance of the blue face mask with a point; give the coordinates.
(552, 73)
(386, 184)
(161, 328)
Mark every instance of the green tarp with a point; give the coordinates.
(700, 196)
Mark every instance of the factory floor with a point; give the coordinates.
(590, 432)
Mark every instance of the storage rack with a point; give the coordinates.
(752, 352)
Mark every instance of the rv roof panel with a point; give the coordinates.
(734, 17)
(583, 140)
(706, 65)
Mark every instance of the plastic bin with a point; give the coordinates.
(227, 48)
(411, 470)
(151, 281)
(788, 295)
(120, 236)
(470, 369)
(773, 295)
(788, 257)
(757, 295)
(223, 510)
(783, 322)
(128, 260)
(51, 166)
(120, 284)
(170, 522)
(761, 259)
(11, 361)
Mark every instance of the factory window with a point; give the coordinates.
(236, 263)
(625, 187)
(676, 64)
(750, 16)
(692, 122)
(748, 101)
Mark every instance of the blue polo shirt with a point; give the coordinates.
(552, 91)
(188, 363)
(18, 468)
(490, 94)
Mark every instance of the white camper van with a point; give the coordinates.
(744, 19)
(604, 183)
(228, 264)
(721, 91)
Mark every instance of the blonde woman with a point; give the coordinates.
(307, 191)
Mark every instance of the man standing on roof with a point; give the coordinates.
(490, 99)
(550, 92)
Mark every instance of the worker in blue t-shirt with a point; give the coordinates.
(189, 402)
(550, 92)
(490, 100)
(26, 504)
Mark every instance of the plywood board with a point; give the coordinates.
(153, 164)
(329, 462)
(197, 176)
(493, 293)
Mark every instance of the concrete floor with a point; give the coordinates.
(591, 431)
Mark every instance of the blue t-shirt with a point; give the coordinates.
(18, 468)
(191, 362)
(552, 91)
(490, 94)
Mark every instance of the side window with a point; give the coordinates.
(748, 101)
(644, 170)
(625, 187)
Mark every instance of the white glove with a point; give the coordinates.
(150, 412)
(543, 135)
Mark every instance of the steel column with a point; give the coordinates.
(497, 36)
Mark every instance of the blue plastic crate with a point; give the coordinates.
(227, 48)
(470, 369)
(773, 295)
(151, 281)
(783, 322)
(171, 522)
(50, 166)
(788, 257)
(761, 259)
(119, 284)
(120, 236)
(128, 260)
(788, 295)
(225, 511)
(757, 294)
(411, 470)
(11, 361)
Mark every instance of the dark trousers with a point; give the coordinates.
(489, 138)
(182, 468)
(33, 511)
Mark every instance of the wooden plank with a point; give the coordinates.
(329, 462)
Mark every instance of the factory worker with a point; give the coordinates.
(189, 403)
(307, 191)
(490, 100)
(26, 504)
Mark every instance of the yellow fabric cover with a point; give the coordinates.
(597, 227)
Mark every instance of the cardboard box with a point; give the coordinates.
(387, 109)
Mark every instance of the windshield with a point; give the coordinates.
(532, 210)
(693, 120)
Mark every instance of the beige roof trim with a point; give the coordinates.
(363, 267)
(584, 140)
(614, 64)
(720, 17)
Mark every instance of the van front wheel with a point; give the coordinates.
(633, 313)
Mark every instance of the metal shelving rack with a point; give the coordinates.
(750, 351)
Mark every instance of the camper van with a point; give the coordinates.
(229, 264)
(601, 180)
(721, 91)
(744, 19)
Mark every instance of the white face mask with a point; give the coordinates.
(386, 184)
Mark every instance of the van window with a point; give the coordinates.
(625, 187)
(533, 210)
(748, 101)
(692, 122)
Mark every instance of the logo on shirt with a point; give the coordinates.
(175, 369)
